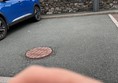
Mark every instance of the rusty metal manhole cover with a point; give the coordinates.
(39, 52)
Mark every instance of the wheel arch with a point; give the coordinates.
(36, 5)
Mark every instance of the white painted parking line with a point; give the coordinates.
(113, 19)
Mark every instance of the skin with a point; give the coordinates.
(38, 74)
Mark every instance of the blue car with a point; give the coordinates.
(14, 11)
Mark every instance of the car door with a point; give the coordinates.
(27, 6)
(12, 10)
(18, 7)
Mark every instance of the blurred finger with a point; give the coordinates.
(36, 74)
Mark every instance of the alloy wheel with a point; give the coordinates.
(37, 13)
(3, 29)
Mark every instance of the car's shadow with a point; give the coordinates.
(19, 26)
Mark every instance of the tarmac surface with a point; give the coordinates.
(87, 45)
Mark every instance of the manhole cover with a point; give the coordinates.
(39, 52)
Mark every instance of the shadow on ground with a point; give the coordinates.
(20, 26)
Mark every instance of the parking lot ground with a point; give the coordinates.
(87, 45)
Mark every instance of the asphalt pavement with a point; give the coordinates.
(88, 45)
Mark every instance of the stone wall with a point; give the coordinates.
(72, 6)
(108, 4)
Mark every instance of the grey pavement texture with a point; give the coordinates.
(88, 45)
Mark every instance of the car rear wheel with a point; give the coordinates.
(37, 13)
(3, 28)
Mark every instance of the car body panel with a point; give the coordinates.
(14, 10)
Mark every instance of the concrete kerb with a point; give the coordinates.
(78, 14)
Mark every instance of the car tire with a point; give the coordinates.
(37, 13)
(3, 28)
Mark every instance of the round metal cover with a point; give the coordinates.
(39, 52)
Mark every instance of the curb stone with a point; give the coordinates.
(78, 14)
